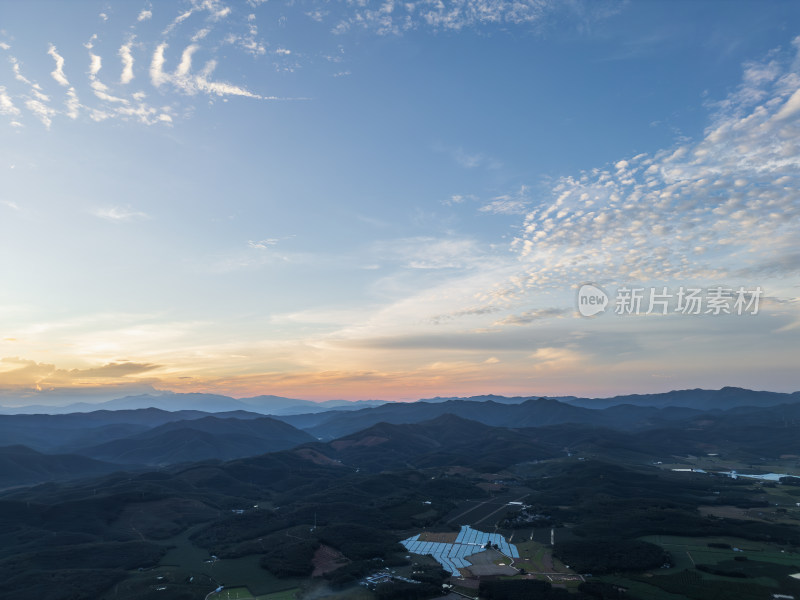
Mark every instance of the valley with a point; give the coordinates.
(590, 509)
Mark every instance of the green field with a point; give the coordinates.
(536, 553)
(642, 590)
(284, 595)
(186, 558)
(681, 548)
(240, 593)
(762, 568)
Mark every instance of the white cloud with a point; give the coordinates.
(248, 42)
(791, 108)
(456, 199)
(179, 19)
(157, 75)
(132, 107)
(95, 64)
(263, 244)
(216, 11)
(186, 61)
(508, 204)
(145, 15)
(35, 88)
(532, 316)
(73, 104)
(468, 160)
(42, 111)
(431, 253)
(317, 15)
(118, 214)
(222, 13)
(505, 206)
(100, 89)
(390, 17)
(127, 62)
(58, 73)
(6, 105)
(190, 84)
(219, 88)
(201, 34)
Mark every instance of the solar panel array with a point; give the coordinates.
(452, 556)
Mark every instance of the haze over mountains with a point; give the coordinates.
(400, 433)
(727, 397)
(20, 466)
(275, 405)
(50, 447)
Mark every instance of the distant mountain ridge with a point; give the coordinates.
(206, 438)
(443, 441)
(215, 403)
(19, 465)
(621, 412)
(723, 399)
(279, 406)
(702, 399)
(391, 435)
(60, 433)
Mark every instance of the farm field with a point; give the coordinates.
(687, 551)
(535, 557)
(242, 593)
(187, 560)
(759, 566)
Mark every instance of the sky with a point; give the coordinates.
(378, 199)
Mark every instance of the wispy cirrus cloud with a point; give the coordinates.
(262, 244)
(531, 316)
(183, 79)
(509, 204)
(385, 17)
(141, 51)
(58, 73)
(119, 214)
(431, 252)
(203, 28)
(464, 312)
(126, 56)
(35, 100)
(7, 105)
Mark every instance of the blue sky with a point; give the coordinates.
(393, 200)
